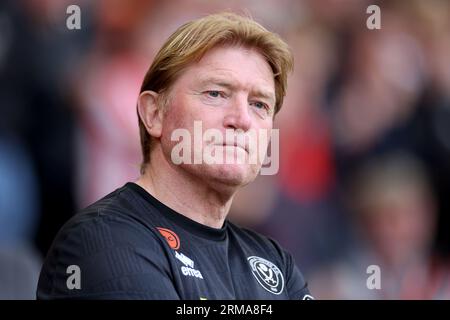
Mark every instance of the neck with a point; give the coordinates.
(185, 193)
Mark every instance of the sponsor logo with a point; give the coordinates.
(171, 238)
(189, 272)
(185, 260)
(267, 274)
(308, 297)
(188, 269)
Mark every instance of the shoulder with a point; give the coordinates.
(108, 223)
(107, 245)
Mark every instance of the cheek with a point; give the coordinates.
(175, 117)
(266, 135)
(172, 121)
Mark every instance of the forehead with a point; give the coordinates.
(243, 67)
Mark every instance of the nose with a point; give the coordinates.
(237, 116)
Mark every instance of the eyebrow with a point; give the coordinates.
(264, 95)
(217, 81)
(220, 81)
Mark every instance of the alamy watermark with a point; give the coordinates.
(74, 279)
(374, 20)
(212, 146)
(73, 21)
(374, 280)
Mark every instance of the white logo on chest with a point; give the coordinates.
(188, 268)
(267, 274)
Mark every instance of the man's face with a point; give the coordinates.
(230, 92)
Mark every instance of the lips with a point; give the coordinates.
(236, 144)
(235, 141)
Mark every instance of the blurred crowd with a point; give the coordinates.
(364, 156)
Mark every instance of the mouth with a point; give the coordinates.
(234, 144)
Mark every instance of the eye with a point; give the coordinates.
(261, 108)
(260, 105)
(214, 93)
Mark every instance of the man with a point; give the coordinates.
(166, 235)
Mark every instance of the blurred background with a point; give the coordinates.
(364, 134)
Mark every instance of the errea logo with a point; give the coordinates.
(188, 268)
(186, 261)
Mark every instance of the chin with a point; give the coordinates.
(233, 175)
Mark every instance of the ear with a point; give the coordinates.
(150, 113)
